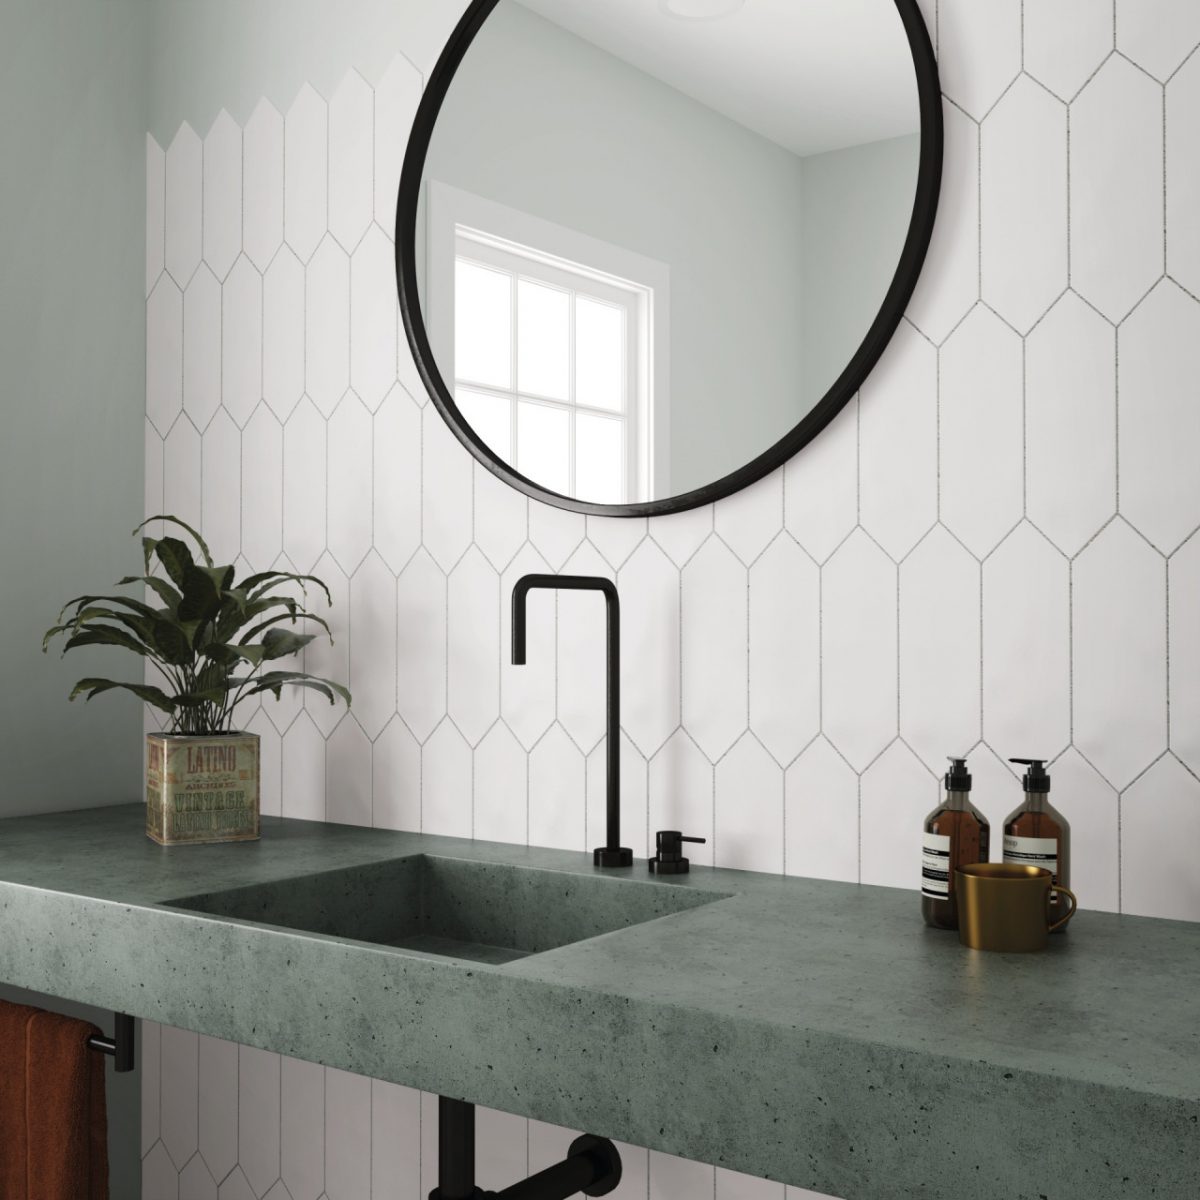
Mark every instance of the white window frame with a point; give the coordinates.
(495, 230)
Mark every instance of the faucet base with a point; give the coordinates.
(612, 856)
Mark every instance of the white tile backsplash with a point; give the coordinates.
(939, 648)
(1160, 822)
(949, 282)
(1070, 416)
(262, 185)
(218, 1105)
(1116, 187)
(1026, 646)
(242, 340)
(222, 202)
(302, 1128)
(196, 1181)
(184, 212)
(373, 310)
(156, 207)
(939, 572)
(859, 690)
(351, 151)
(327, 326)
(1119, 685)
(1065, 41)
(306, 173)
(202, 348)
(164, 354)
(259, 1119)
(1183, 174)
(1023, 203)
(981, 468)
(1157, 34)
(785, 648)
(180, 1119)
(1159, 363)
(898, 417)
(979, 51)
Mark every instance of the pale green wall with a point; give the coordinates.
(72, 399)
(214, 54)
(857, 205)
(72, 381)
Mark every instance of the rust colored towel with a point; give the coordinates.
(53, 1130)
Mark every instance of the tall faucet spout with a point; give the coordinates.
(612, 854)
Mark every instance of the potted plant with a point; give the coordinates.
(209, 640)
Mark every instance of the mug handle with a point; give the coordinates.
(1062, 891)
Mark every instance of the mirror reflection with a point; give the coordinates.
(653, 233)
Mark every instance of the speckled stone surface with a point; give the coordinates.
(812, 1032)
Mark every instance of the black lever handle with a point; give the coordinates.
(670, 860)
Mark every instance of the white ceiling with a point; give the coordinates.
(811, 75)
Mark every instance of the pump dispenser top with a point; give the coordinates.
(1035, 779)
(958, 778)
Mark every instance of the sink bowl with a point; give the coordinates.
(452, 908)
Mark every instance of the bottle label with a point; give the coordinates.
(935, 866)
(1033, 852)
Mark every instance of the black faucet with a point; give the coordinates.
(613, 854)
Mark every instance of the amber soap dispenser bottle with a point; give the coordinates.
(956, 834)
(1037, 834)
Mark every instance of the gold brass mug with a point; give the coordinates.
(1006, 906)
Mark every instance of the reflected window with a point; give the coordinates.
(549, 368)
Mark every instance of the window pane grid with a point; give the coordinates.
(543, 449)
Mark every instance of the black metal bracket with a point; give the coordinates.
(120, 1046)
(592, 1165)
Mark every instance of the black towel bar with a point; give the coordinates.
(120, 1045)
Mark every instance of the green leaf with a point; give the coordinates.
(182, 525)
(75, 623)
(199, 699)
(279, 643)
(268, 577)
(166, 593)
(314, 685)
(128, 602)
(202, 588)
(231, 619)
(272, 681)
(175, 557)
(291, 619)
(214, 676)
(105, 635)
(151, 695)
(86, 617)
(171, 641)
(230, 656)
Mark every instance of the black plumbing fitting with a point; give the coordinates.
(592, 1165)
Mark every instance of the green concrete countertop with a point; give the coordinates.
(812, 1032)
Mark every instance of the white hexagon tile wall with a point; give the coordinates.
(992, 550)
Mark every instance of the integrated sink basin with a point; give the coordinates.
(452, 908)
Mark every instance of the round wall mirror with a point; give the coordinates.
(648, 249)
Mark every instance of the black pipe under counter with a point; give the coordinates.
(812, 1032)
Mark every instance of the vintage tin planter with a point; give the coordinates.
(202, 788)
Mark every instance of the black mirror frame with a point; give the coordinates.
(908, 270)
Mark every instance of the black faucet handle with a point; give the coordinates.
(669, 859)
